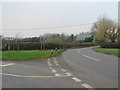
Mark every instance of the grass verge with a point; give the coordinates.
(108, 51)
(28, 54)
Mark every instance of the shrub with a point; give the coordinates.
(37, 45)
(88, 39)
(110, 45)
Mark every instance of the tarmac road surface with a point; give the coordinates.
(74, 68)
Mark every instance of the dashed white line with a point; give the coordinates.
(51, 67)
(68, 74)
(76, 79)
(63, 70)
(55, 61)
(57, 74)
(90, 57)
(54, 71)
(49, 63)
(5, 65)
(86, 86)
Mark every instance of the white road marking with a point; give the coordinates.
(57, 75)
(88, 56)
(86, 86)
(54, 71)
(55, 61)
(51, 67)
(49, 63)
(76, 79)
(16, 75)
(5, 65)
(63, 70)
(68, 74)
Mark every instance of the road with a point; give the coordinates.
(74, 68)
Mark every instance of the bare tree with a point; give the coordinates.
(16, 40)
(105, 29)
(112, 33)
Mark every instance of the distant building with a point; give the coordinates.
(8, 38)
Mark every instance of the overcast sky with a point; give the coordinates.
(28, 18)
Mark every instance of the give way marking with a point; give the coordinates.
(5, 65)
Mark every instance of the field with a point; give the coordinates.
(82, 37)
(28, 54)
(108, 51)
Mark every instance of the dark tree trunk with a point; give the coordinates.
(112, 40)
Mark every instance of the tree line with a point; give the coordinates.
(46, 41)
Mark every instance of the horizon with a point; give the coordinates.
(44, 35)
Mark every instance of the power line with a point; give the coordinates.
(66, 26)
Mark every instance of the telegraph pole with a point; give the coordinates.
(40, 39)
(9, 44)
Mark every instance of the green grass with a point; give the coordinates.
(28, 54)
(0, 54)
(82, 37)
(108, 51)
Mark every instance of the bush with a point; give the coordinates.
(37, 45)
(109, 45)
(88, 39)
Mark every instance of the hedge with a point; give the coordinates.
(110, 45)
(37, 45)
